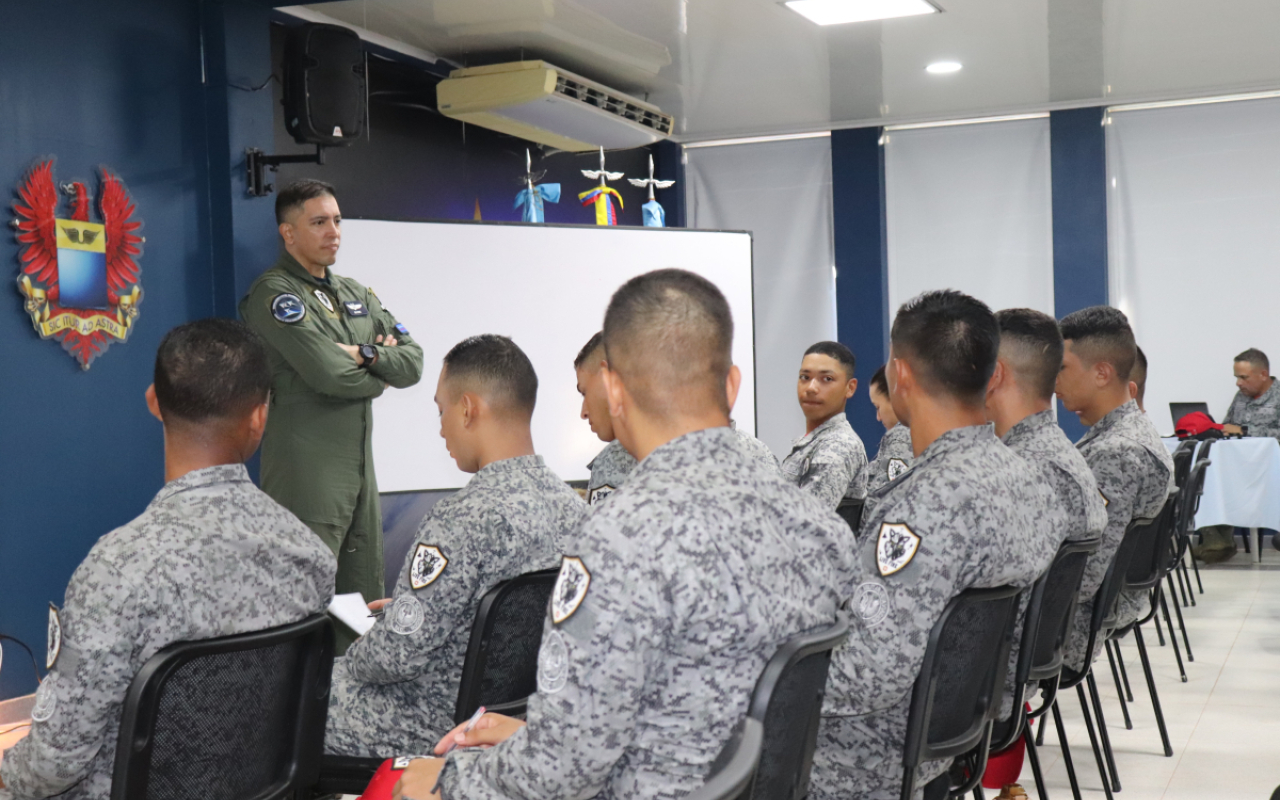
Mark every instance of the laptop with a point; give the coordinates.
(1180, 410)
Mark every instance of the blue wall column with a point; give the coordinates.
(862, 280)
(1078, 159)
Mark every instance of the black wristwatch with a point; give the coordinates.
(370, 355)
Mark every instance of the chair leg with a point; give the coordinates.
(1196, 568)
(1115, 676)
(1159, 596)
(1102, 731)
(1033, 758)
(1174, 575)
(1156, 619)
(977, 793)
(1182, 624)
(1040, 733)
(1124, 673)
(1093, 742)
(1066, 752)
(1186, 578)
(1151, 686)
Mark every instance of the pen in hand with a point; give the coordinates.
(471, 723)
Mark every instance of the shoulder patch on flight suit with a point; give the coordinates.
(401, 329)
(406, 615)
(356, 309)
(288, 308)
(895, 468)
(895, 547)
(323, 297)
(570, 589)
(599, 493)
(428, 563)
(54, 646)
(1105, 501)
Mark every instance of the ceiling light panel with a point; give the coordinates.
(943, 67)
(837, 12)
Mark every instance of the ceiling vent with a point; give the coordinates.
(542, 103)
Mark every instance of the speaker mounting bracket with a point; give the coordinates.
(256, 164)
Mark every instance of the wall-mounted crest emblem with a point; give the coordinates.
(80, 279)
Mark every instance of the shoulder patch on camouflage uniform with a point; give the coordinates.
(428, 563)
(570, 590)
(46, 699)
(406, 615)
(599, 493)
(288, 308)
(1105, 501)
(895, 547)
(54, 644)
(895, 468)
(553, 663)
(871, 603)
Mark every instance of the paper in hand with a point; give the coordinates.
(351, 610)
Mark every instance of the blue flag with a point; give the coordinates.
(533, 211)
(654, 216)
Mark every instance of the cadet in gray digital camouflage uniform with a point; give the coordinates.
(829, 461)
(683, 584)
(1257, 403)
(894, 454)
(513, 517)
(610, 468)
(1123, 450)
(755, 448)
(964, 515)
(1020, 403)
(212, 555)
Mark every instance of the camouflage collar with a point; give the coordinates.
(1029, 426)
(838, 419)
(197, 479)
(693, 442)
(290, 264)
(517, 464)
(967, 436)
(1268, 396)
(1109, 421)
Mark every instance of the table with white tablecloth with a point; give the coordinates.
(1242, 486)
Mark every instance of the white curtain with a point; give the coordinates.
(781, 192)
(1194, 228)
(969, 207)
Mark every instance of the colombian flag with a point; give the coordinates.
(605, 215)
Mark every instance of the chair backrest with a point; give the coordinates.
(787, 701)
(1182, 461)
(958, 690)
(1152, 550)
(234, 718)
(501, 668)
(1050, 610)
(1203, 452)
(850, 510)
(1188, 505)
(732, 771)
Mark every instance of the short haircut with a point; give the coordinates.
(879, 382)
(843, 355)
(596, 342)
(951, 341)
(496, 368)
(1139, 373)
(1101, 333)
(1032, 345)
(211, 369)
(294, 196)
(1255, 357)
(667, 332)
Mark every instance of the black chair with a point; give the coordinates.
(733, 770)
(500, 671)
(787, 701)
(1180, 541)
(850, 510)
(237, 718)
(957, 693)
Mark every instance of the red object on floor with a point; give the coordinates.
(1003, 767)
(384, 780)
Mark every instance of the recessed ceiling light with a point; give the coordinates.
(836, 12)
(943, 67)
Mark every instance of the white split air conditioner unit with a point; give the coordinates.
(542, 103)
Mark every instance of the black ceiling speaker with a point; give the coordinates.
(324, 85)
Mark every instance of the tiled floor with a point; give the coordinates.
(1224, 722)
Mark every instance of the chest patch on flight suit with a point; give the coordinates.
(896, 467)
(871, 603)
(324, 299)
(356, 309)
(54, 642)
(406, 615)
(288, 308)
(570, 589)
(599, 493)
(895, 547)
(1105, 501)
(428, 563)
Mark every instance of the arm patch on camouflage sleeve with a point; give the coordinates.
(895, 547)
(428, 564)
(570, 590)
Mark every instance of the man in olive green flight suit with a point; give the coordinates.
(333, 349)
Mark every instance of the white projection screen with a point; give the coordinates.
(546, 287)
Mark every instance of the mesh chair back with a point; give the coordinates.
(1182, 461)
(1185, 516)
(1050, 611)
(787, 701)
(1153, 548)
(731, 773)
(234, 718)
(962, 676)
(850, 511)
(501, 669)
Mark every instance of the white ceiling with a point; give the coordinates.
(748, 67)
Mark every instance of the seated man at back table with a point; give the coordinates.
(1257, 401)
(211, 556)
(968, 513)
(512, 517)
(829, 461)
(1122, 448)
(682, 585)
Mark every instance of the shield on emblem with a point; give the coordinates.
(82, 264)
